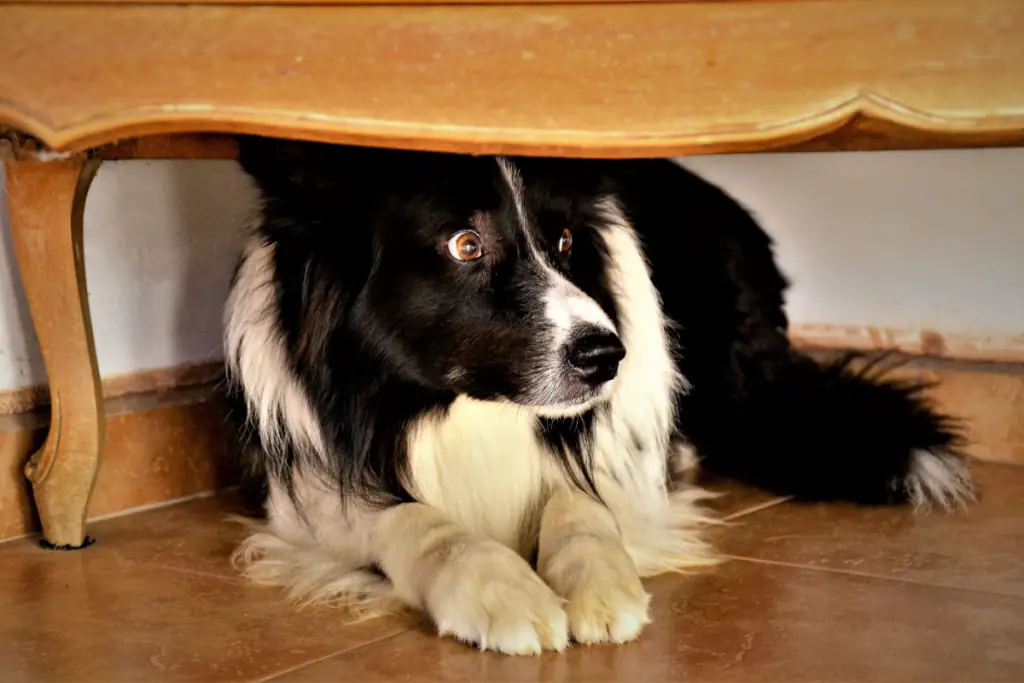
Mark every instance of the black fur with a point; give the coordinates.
(759, 410)
(377, 352)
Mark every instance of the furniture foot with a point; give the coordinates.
(46, 200)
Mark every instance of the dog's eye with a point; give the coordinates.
(565, 242)
(466, 246)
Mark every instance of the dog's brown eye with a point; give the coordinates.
(466, 246)
(565, 243)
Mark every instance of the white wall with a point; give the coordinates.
(928, 240)
(160, 244)
(921, 240)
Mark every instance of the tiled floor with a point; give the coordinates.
(813, 593)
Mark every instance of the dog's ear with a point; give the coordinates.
(307, 170)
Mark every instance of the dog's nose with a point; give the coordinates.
(595, 355)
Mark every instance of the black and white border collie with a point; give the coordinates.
(468, 386)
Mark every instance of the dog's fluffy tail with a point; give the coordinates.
(842, 430)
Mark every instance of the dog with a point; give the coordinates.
(473, 386)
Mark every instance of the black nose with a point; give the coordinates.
(595, 355)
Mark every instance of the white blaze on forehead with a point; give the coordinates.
(566, 305)
(514, 180)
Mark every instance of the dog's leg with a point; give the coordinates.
(582, 557)
(474, 589)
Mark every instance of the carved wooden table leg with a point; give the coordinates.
(46, 200)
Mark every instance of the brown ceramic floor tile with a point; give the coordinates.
(735, 499)
(979, 548)
(195, 535)
(745, 622)
(117, 612)
(91, 616)
(192, 536)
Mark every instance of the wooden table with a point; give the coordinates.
(82, 82)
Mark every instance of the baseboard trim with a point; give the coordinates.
(160, 446)
(977, 348)
(27, 399)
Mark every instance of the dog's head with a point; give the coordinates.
(485, 276)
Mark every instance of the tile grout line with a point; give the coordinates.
(354, 648)
(190, 572)
(875, 577)
(757, 508)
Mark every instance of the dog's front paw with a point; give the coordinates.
(493, 598)
(608, 608)
(607, 602)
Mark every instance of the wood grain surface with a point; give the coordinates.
(661, 79)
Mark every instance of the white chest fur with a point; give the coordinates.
(483, 464)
